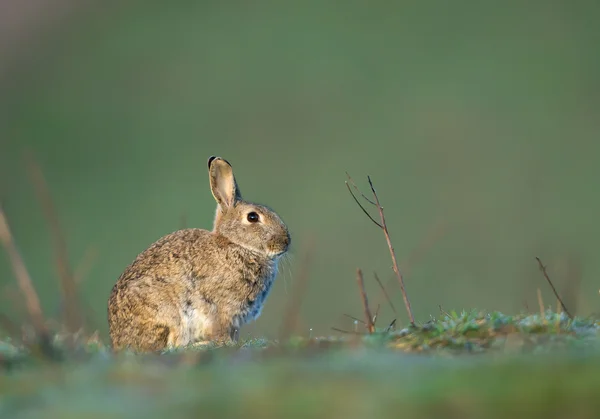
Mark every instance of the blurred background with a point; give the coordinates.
(477, 121)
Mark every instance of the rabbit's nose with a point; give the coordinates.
(287, 240)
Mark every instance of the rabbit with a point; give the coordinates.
(194, 286)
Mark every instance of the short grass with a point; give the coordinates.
(461, 365)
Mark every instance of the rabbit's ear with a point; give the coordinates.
(222, 182)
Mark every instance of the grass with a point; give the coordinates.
(469, 364)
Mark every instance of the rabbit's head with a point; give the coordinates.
(252, 226)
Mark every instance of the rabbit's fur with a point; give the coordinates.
(195, 285)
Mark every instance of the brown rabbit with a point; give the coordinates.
(195, 285)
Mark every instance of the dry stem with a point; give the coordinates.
(32, 302)
(543, 269)
(383, 226)
(363, 295)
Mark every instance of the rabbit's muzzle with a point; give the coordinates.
(279, 244)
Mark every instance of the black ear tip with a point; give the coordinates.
(210, 160)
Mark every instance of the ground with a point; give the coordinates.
(460, 365)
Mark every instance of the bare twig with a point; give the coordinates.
(543, 269)
(444, 312)
(32, 302)
(392, 253)
(382, 224)
(292, 312)
(363, 295)
(358, 190)
(73, 318)
(363, 208)
(385, 294)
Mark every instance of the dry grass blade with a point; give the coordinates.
(543, 269)
(363, 295)
(391, 326)
(541, 305)
(73, 319)
(32, 302)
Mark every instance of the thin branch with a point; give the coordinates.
(543, 269)
(363, 208)
(383, 226)
(387, 297)
(73, 319)
(393, 254)
(444, 312)
(363, 295)
(32, 302)
(358, 190)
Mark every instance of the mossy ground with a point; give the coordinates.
(461, 365)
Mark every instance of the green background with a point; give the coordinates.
(478, 122)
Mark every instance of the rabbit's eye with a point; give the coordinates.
(252, 217)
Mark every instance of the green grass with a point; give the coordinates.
(468, 364)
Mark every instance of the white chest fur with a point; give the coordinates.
(196, 324)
